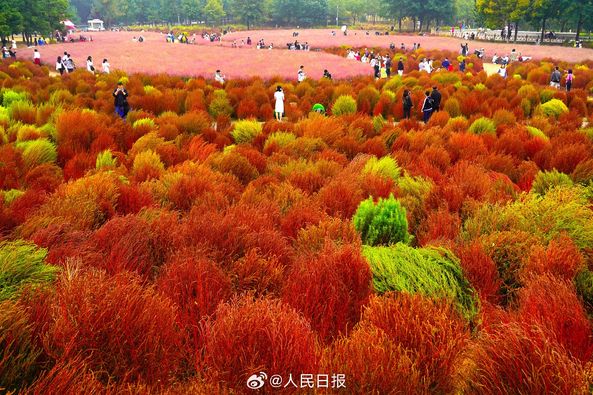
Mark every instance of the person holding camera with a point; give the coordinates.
(120, 95)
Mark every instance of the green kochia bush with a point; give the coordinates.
(554, 108)
(9, 96)
(385, 167)
(105, 159)
(37, 152)
(546, 180)
(584, 286)
(434, 272)
(560, 210)
(345, 104)
(483, 125)
(383, 223)
(22, 264)
(245, 131)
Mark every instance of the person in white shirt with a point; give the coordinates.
(13, 44)
(89, 64)
(37, 57)
(60, 68)
(422, 65)
(495, 58)
(502, 71)
(218, 77)
(301, 76)
(279, 107)
(106, 66)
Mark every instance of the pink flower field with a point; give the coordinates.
(155, 56)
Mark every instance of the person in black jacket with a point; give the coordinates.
(407, 103)
(400, 67)
(436, 99)
(120, 95)
(427, 106)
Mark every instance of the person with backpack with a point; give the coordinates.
(555, 78)
(120, 95)
(60, 68)
(407, 104)
(427, 107)
(435, 95)
(569, 79)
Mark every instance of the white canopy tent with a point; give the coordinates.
(95, 25)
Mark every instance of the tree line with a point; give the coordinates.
(31, 17)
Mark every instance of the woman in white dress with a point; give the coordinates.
(279, 107)
(106, 66)
(89, 65)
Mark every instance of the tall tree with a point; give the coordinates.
(249, 12)
(498, 13)
(214, 11)
(11, 18)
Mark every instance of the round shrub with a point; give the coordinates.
(345, 289)
(22, 265)
(386, 167)
(250, 336)
(245, 131)
(374, 364)
(344, 105)
(546, 180)
(483, 125)
(37, 152)
(512, 359)
(535, 132)
(124, 330)
(383, 223)
(554, 108)
(431, 332)
(433, 272)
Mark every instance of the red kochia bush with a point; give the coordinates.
(430, 330)
(127, 243)
(374, 364)
(249, 336)
(125, 332)
(517, 360)
(195, 284)
(561, 258)
(66, 377)
(553, 304)
(480, 270)
(345, 288)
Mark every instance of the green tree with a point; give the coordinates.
(11, 19)
(497, 13)
(42, 17)
(249, 12)
(214, 11)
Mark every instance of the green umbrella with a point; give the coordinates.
(318, 107)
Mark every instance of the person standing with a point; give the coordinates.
(555, 78)
(106, 66)
(218, 77)
(435, 95)
(462, 66)
(502, 71)
(120, 95)
(279, 107)
(90, 67)
(301, 76)
(60, 68)
(446, 64)
(427, 107)
(36, 57)
(388, 66)
(407, 104)
(569, 79)
(400, 67)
